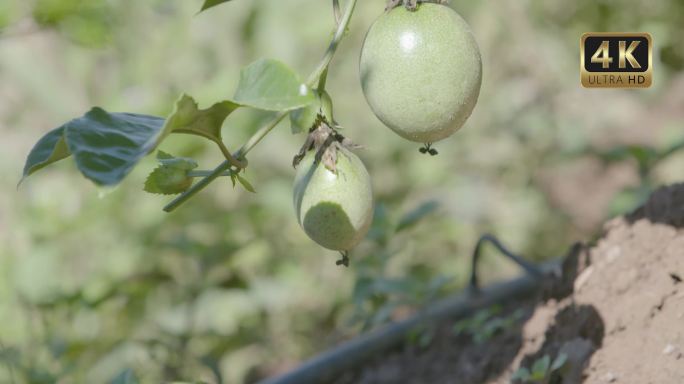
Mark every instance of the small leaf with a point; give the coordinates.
(184, 163)
(642, 154)
(212, 3)
(271, 85)
(187, 118)
(560, 361)
(522, 374)
(127, 376)
(413, 217)
(245, 183)
(49, 149)
(171, 177)
(540, 367)
(234, 282)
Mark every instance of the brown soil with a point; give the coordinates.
(616, 311)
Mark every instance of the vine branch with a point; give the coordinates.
(240, 154)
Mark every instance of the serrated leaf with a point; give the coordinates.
(167, 181)
(212, 3)
(271, 85)
(188, 118)
(171, 177)
(414, 216)
(49, 149)
(245, 183)
(184, 163)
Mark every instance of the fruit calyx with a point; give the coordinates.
(344, 261)
(411, 5)
(326, 141)
(427, 148)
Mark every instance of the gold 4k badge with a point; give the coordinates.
(616, 60)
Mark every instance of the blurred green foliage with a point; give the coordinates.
(101, 286)
(486, 323)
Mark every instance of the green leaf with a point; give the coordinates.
(106, 145)
(234, 282)
(560, 361)
(302, 119)
(245, 183)
(629, 199)
(540, 367)
(187, 118)
(49, 149)
(413, 217)
(642, 154)
(271, 85)
(184, 163)
(127, 376)
(167, 181)
(522, 374)
(171, 177)
(212, 3)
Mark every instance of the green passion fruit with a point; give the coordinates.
(421, 71)
(335, 209)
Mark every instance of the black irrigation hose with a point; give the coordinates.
(530, 268)
(333, 363)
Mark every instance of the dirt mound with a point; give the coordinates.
(634, 283)
(616, 313)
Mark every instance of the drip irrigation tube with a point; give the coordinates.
(331, 364)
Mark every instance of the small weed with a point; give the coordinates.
(541, 370)
(484, 324)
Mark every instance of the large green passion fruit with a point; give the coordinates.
(421, 71)
(335, 209)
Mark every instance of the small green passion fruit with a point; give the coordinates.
(335, 209)
(421, 71)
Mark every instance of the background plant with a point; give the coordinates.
(541, 371)
(269, 297)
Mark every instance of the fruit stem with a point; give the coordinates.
(321, 81)
(332, 48)
(263, 131)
